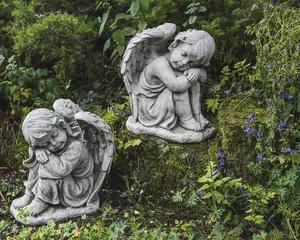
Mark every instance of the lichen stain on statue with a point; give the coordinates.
(164, 83)
(70, 154)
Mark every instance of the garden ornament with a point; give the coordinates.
(70, 155)
(164, 83)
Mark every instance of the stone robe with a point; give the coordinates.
(67, 177)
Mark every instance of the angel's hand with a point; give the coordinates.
(194, 74)
(42, 154)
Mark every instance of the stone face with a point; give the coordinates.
(164, 86)
(70, 154)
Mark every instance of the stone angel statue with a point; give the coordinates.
(70, 155)
(164, 82)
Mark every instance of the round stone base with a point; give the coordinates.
(56, 213)
(178, 134)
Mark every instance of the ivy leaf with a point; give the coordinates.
(134, 8)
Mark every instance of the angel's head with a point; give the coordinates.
(192, 48)
(66, 108)
(43, 128)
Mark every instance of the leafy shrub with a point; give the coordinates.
(59, 38)
(24, 87)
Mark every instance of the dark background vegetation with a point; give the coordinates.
(241, 184)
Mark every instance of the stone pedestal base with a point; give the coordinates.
(56, 213)
(178, 134)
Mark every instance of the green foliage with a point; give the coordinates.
(17, 154)
(62, 38)
(24, 87)
(9, 191)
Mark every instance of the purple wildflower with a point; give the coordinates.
(251, 117)
(201, 193)
(222, 163)
(90, 92)
(258, 135)
(185, 182)
(278, 84)
(243, 192)
(259, 158)
(250, 130)
(296, 64)
(221, 154)
(297, 47)
(286, 150)
(289, 96)
(217, 171)
(267, 183)
(282, 124)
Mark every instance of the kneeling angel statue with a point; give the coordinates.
(70, 155)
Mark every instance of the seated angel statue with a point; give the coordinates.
(67, 162)
(165, 86)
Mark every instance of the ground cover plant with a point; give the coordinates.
(241, 184)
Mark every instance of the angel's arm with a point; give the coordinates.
(161, 69)
(60, 166)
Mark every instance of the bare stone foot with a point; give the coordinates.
(192, 124)
(203, 121)
(36, 207)
(22, 201)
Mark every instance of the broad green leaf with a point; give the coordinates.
(11, 59)
(128, 31)
(119, 37)
(1, 59)
(192, 19)
(144, 4)
(288, 108)
(202, 9)
(122, 16)
(120, 49)
(134, 8)
(292, 90)
(296, 158)
(50, 97)
(42, 86)
(142, 25)
(106, 45)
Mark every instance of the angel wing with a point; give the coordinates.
(100, 144)
(140, 51)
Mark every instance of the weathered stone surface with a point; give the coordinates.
(178, 134)
(164, 87)
(70, 154)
